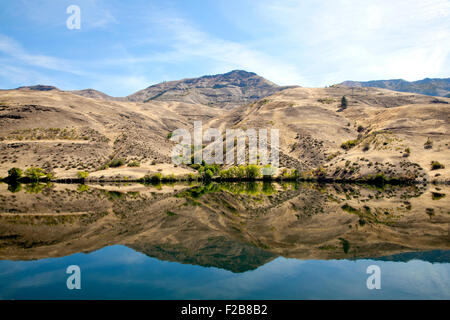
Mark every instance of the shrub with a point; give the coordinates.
(428, 144)
(326, 100)
(169, 178)
(437, 195)
(407, 153)
(169, 135)
(366, 147)
(82, 175)
(134, 164)
(435, 165)
(344, 103)
(35, 173)
(157, 177)
(252, 171)
(360, 128)
(207, 175)
(347, 145)
(14, 174)
(116, 163)
(83, 188)
(240, 172)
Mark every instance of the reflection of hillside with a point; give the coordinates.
(218, 252)
(435, 256)
(237, 227)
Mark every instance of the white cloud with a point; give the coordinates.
(13, 49)
(354, 40)
(188, 42)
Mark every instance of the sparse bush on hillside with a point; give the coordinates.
(325, 100)
(208, 174)
(82, 175)
(407, 153)
(157, 177)
(428, 144)
(134, 164)
(366, 146)
(14, 174)
(435, 165)
(347, 145)
(36, 174)
(252, 172)
(116, 163)
(344, 103)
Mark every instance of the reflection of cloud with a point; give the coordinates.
(120, 272)
(39, 280)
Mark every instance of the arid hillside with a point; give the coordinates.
(63, 133)
(377, 132)
(229, 90)
(431, 87)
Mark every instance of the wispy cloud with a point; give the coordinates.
(14, 50)
(351, 39)
(311, 43)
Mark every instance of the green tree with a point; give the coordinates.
(14, 174)
(208, 174)
(241, 172)
(344, 103)
(252, 171)
(14, 187)
(35, 173)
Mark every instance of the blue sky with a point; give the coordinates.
(125, 46)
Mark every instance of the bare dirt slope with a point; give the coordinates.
(229, 90)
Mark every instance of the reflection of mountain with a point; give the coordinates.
(237, 227)
(218, 252)
(435, 256)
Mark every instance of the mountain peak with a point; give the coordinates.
(427, 86)
(39, 87)
(227, 90)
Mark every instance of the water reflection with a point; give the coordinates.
(237, 227)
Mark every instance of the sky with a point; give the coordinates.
(125, 46)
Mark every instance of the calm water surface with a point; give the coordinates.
(224, 241)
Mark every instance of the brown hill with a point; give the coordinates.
(64, 133)
(95, 94)
(392, 134)
(227, 90)
(431, 87)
